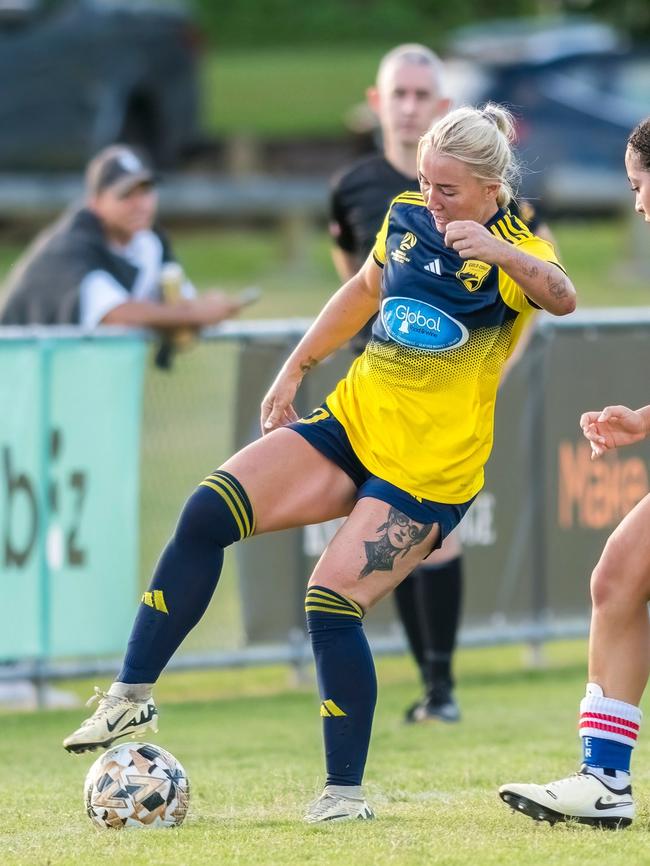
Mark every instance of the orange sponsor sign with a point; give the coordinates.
(597, 494)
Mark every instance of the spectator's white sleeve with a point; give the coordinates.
(99, 293)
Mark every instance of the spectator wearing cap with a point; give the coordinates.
(101, 263)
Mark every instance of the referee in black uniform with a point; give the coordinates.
(407, 97)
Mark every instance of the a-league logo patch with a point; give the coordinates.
(473, 273)
(407, 243)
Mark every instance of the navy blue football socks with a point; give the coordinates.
(217, 514)
(346, 681)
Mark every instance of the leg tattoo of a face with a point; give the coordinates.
(400, 534)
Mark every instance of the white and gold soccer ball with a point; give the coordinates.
(136, 785)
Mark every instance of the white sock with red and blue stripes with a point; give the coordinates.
(609, 731)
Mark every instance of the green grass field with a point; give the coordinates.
(284, 92)
(251, 746)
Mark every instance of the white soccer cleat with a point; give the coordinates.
(334, 804)
(114, 718)
(582, 797)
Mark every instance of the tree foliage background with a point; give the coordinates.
(250, 23)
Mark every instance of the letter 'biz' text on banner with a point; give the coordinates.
(69, 494)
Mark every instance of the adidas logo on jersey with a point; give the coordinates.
(434, 267)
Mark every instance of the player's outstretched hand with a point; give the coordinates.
(277, 406)
(612, 427)
(471, 240)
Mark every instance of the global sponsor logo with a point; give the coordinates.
(422, 326)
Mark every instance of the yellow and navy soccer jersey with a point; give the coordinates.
(418, 404)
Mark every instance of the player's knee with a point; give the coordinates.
(615, 581)
(218, 511)
(602, 584)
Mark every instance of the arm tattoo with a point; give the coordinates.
(557, 286)
(529, 270)
(400, 534)
(308, 364)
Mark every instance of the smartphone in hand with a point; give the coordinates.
(249, 295)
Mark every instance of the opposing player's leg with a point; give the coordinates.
(619, 665)
(429, 602)
(373, 551)
(276, 482)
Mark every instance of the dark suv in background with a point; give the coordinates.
(576, 88)
(79, 74)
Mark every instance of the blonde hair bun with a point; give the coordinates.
(481, 138)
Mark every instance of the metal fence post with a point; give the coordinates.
(537, 383)
(45, 348)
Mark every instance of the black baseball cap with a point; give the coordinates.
(117, 168)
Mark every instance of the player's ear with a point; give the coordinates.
(443, 106)
(372, 98)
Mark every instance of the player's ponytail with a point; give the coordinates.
(482, 138)
(501, 118)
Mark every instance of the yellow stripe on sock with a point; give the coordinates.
(234, 499)
(159, 601)
(156, 600)
(334, 599)
(309, 607)
(325, 594)
(232, 508)
(321, 600)
(228, 485)
(339, 599)
(329, 708)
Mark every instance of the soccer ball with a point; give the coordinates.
(136, 785)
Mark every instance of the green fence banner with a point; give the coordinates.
(69, 494)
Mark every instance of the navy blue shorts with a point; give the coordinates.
(322, 430)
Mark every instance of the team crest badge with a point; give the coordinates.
(473, 273)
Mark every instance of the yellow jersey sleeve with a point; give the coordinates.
(379, 249)
(510, 291)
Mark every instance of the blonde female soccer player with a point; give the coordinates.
(398, 447)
